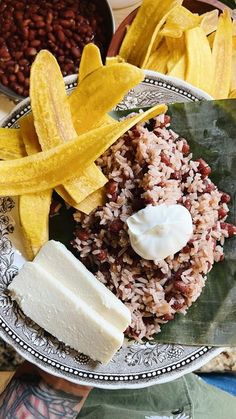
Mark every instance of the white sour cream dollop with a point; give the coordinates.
(160, 231)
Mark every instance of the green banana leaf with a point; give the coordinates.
(210, 128)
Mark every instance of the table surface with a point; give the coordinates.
(8, 361)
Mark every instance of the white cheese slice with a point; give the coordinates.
(61, 263)
(60, 312)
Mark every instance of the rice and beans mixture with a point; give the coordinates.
(151, 164)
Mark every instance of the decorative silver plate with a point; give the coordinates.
(135, 365)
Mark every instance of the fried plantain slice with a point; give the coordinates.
(50, 168)
(222, 56)
(33, 208)
(53, 121)
(90, 61)
(199, 71)
(100, 92)
(11, 144)
(141, 38)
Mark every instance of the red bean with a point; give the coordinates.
(35, 43)
(209, 186)
(222, 213)
(49, 27)
(181, 286)
(49, 18)
(51, 37)
(4, 80)
(20, 77)
(36, 18)
(23, 62)
(230, 228)
(177, 305)
(26, 23)
(102, 255)
(168, 317)
(42, 32)
(186, 249)
(76, 52)
(116, 225)
(69, 14)
(19, 89)
(4, 53)
(67, 23)
(31, 51)
(32, 34)
(186, 148)
(25, 33)
(176, 175)
(165, 159)
(187, 204)
(83, 235)
(203, 168)
(167, 119)
(19, 5)
(111, 187)
(18, 55)
(40, 24)
(225, 198)
(12, 78)
(61, 36)
(19, 15)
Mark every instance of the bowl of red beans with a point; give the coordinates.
(63, 27)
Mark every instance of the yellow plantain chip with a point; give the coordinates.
(211, 38)
(100, 92)
(179, 20)
(53, 122)
(50, 108)
(87, 181)
(234, 27)
(233, 94)
(34, 215)
(199, 71)
(90, 61)
(168, 6)
(50, 168)
(176, 46)
(11, 144)
(32, 146)
(140, 40)
(179, 69)
(209, 21)
(233, 78)
(92, 201)
(222, 56)
(33, 208)
(29, 135)
(114, 60)
(158, 59)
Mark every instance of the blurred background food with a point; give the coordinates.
(196, 47)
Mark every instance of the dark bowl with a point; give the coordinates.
(193, 5)
(105, 12)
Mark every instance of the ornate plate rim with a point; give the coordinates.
(102, 380)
